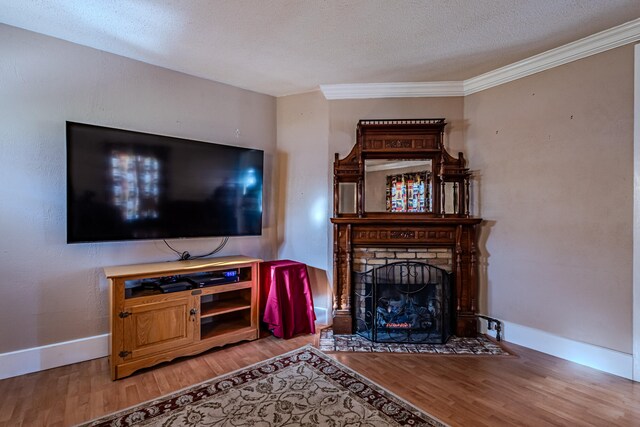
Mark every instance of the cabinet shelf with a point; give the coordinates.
(139, 292)
(217, 308)
(219, 303)
(209, 281)
(215, 329)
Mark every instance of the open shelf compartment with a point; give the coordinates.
(149, 286)
(225, 302)
(229, 322)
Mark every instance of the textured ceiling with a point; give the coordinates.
(281, 47)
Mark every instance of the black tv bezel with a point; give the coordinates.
(69, 191)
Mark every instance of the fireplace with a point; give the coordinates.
(403, 302)
(431, 223)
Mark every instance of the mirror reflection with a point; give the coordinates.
(347, 200)
(398, 185)
(450, 197)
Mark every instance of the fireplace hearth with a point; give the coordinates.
(403, 302)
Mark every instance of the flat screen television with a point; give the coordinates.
(125, 185)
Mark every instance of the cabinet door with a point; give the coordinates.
(159, 326)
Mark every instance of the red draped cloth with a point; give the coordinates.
(285, 298)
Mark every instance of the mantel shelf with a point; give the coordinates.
(404, 220)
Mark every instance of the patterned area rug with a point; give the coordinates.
(301, 388)
(480, 345)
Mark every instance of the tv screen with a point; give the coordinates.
(125, 185)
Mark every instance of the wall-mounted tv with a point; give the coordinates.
(126, 185)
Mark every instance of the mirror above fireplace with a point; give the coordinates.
(400, 167)
(398, 185)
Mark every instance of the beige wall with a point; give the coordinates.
(304, 190)
(53, 292)
(554, 155)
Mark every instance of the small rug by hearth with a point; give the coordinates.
(480, 345)
(302, 388)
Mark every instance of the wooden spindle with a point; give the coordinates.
(456, 208)
(467, 211)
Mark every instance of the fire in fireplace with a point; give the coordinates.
(403, 302)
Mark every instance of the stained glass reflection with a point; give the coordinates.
(136, 180)
(409, 192)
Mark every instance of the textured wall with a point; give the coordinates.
(554, 154)
(51, 291)
(305, 195)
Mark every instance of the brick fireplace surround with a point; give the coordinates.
(367, 258)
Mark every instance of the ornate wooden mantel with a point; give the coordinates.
(455, 230)
(457, 234)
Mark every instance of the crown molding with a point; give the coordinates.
(591, 45)
(600, 42)
(392, 90)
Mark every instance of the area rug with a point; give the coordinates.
(302, 388)
(480, 345)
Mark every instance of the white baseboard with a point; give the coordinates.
(593, 356)
(50, 356)
(36, 359)
(65, 353)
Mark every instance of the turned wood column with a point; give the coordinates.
(342, 315)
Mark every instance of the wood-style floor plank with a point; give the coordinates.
(530, 389)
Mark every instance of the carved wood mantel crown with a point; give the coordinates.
(400, 188)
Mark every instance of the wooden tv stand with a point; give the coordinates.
(149, 326)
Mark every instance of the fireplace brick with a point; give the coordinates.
(366, 258)
(385, 255)
(407, 255)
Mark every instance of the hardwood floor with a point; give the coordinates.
(532, 389)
